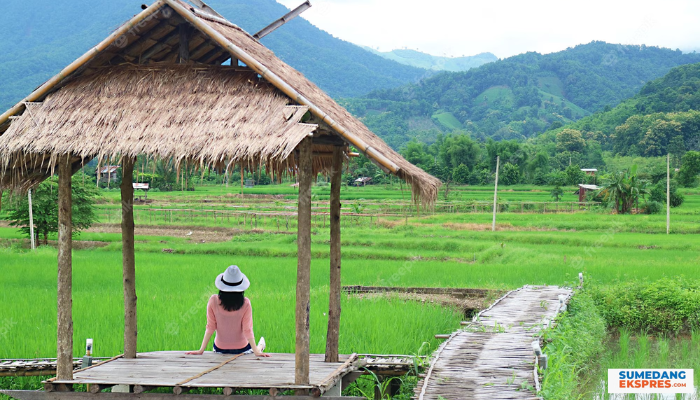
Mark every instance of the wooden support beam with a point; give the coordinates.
(128, 259)
(303, 289)
(163, 44)
(330, 140)
(64, 363)
(185, 33)
(333, 333)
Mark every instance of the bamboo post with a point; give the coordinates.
(31, 220)
(128, 260)
(333, 333)
(495, 194)
(64, 362)
(668, 193)
(303, 289)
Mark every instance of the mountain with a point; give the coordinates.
(517, 97)
(435, 63)
(663, 117)
(40, 37)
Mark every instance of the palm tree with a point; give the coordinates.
(622, 190)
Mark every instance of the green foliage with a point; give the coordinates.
(570, 140)
(461, 174)
(653, 207)
(622, 190)
(556, 193)
(45, 208)
(574, 175)
(662, 118)
(658, 194)
(668, 305)
(521, 96)
(509, 175)
(576, 344)
(690, 168)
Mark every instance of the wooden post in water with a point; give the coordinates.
(303, 290)
(64, 362)
(668, 193)
(333, 333)
(495, 194)
(128, 258)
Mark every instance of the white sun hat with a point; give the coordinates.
(232, 280)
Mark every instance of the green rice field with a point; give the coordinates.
(399, 247)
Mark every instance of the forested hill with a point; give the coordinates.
(517, 97)
(39, 37)
(663, 117)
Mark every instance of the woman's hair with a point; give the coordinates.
(231, 301)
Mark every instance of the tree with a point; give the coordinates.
(622, 190)
(570, 140)
(460, 174)
(457, 150)
(574, 175)
(658, 194)
(416, 153)
(509, 175)
(45, 208)
(556, 193)
(690, 167)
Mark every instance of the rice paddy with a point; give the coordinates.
(175, 272)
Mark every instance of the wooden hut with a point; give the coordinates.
(157, 87)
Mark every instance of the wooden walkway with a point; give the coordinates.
(492, 357)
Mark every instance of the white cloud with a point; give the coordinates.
(505, 27)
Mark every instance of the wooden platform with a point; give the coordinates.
(492, 358)
(211, 370)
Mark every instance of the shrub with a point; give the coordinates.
(658, 194)
(666, 306)
(653, 207)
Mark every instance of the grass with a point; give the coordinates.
(433, 249)
(448, 120)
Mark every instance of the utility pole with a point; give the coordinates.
(668, 193)
(495, 195)
(31, 220)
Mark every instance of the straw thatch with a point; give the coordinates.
(207, 116)
(204, 114)
(425, 186)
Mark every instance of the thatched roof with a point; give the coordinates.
(207, 116)
(201, 113)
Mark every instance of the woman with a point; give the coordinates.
(230, 315)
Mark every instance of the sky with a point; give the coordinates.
(505, 27)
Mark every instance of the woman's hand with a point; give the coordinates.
(261, 354)
(195, 353)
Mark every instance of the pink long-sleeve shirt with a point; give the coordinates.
(233, 328)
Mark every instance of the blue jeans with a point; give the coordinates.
(233, 351)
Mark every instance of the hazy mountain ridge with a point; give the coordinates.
(435, 63)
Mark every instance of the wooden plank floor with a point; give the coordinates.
(493, 357)
(171, 368)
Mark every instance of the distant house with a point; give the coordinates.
(363, 181)
(590, 171)
(107, 173)
(584, 189)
